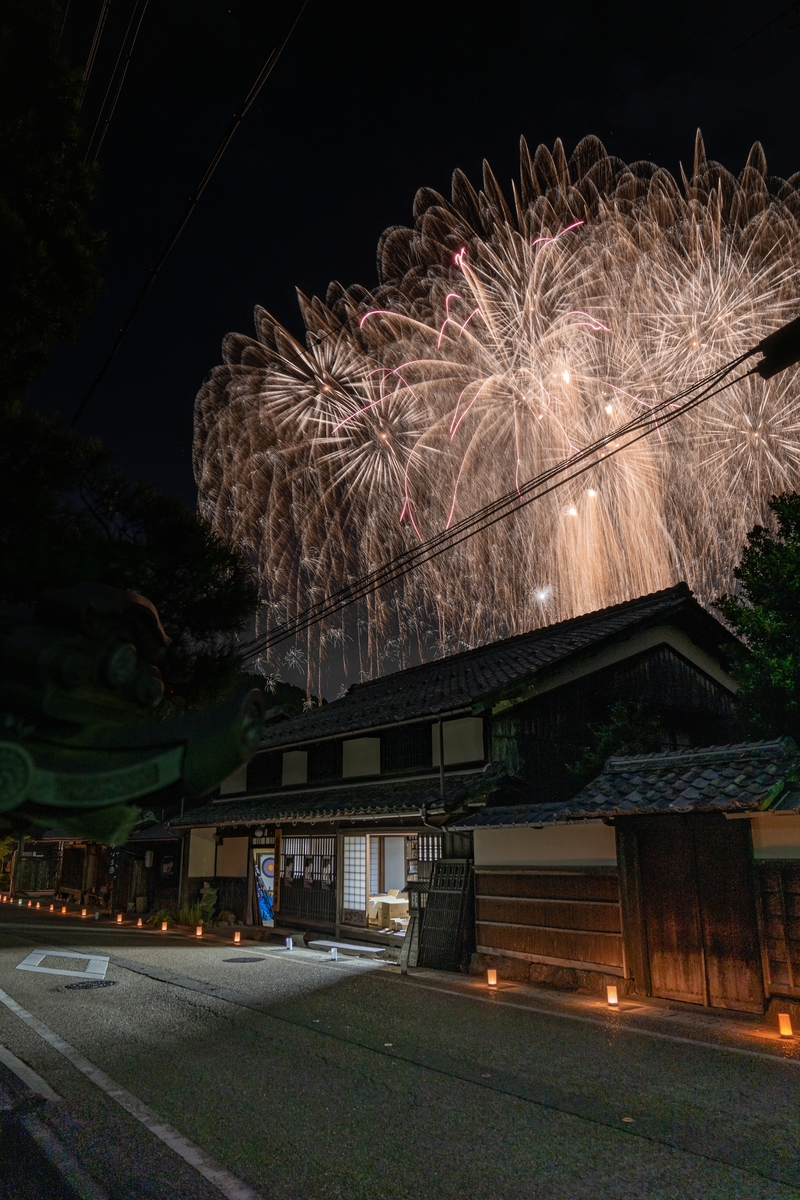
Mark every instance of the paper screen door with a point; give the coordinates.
(354, 882)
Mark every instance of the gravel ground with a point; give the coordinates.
(311, 1079)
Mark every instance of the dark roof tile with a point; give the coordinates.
(696, 780)
(462, 680)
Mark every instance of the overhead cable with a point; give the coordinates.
(98, 33)
(780, 350)
(120, 82)
(236, 121)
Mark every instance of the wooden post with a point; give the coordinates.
(634, 933)
(441, 757)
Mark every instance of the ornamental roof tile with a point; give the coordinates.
(747, 777)
(376, 799)
(486, 673)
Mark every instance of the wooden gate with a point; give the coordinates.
(698, 909)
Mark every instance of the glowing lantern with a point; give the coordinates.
(29, 904)
(785, 1025)
(163, 926)
(38, 905)
(611, 993)
(139, 923)
(491, 977)
(119, 918)
(237, 937)
(64, 909)
(199, 931)
(83, 912)
(52, 908)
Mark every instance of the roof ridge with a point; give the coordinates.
(766, 748)
(680, 590)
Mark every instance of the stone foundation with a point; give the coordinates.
(564, 979)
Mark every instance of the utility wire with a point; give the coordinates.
(792, 8)
(63, 23)
(236, 121)
(120, 82)
(577, 464)
(98, 33)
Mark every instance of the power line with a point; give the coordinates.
(781, 349)
(236, 121)
(120, 82)
(98, 33)
(791, 8)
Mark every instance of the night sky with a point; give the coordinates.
(368, 103)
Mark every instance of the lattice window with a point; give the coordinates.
(407, 748)
(324, 762)
(308, 862)
(429, 847)
(265, 771)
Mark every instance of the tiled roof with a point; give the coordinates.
(751, 776)
(404, 798)
(485, 673)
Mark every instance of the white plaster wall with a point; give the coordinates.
(361, 756)
(295, 767)
(237, 782)
(776, 835)
(463, 740)
(588, 844)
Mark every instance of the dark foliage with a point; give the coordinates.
(48, 252)
(630, 729)
(68, 515)
(765, 612)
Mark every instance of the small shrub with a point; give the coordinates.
(163, 914)
(191, 914)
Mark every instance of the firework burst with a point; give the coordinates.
(502, 336)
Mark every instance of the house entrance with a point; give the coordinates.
(377, 868)
(699, 910)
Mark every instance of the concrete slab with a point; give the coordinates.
(346, 947)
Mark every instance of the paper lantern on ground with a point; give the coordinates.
(491, 977)
(237, 937)
(785, 1025)
(611, 994)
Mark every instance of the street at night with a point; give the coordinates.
(399, 601)
(388, 1086)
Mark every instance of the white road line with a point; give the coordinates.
(27, 1075)
(223, 1180)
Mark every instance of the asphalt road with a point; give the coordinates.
(293, 1077)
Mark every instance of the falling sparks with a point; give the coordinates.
(500, 339)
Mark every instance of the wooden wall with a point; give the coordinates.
(566, 918)
(779, 888)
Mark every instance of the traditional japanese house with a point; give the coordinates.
(347, 807)
(676, 875)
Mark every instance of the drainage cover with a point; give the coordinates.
(89, 984)
(243, 960)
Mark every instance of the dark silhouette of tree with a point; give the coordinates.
(48, 251)
(764, 610)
